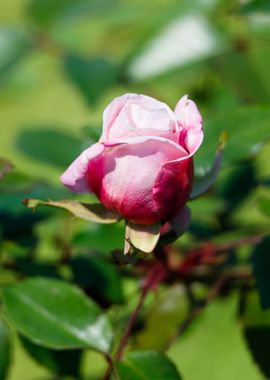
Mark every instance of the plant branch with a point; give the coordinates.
(125, 337)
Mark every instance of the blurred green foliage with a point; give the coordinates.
(61, 63)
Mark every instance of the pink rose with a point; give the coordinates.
(142, 166)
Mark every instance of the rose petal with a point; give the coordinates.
(190, 120)
(75, 175)
(124, 176)
(172, 186)
(130, 114)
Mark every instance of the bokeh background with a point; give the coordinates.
(61, 63)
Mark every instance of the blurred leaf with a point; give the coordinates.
(5, 350)
(62, 363)
(256, 328)
(263, 203)
(166, 314)
(46, 11)
(261, 266)
(146, 365)
(92, 237)
(57, 315)
(247, 129)
(236, 182)
(92, 76)
(90, 272)
(14, 45)
(234, 69)
(33, 269)
(258, 340)
(92, 212)
(142, 236)
(212, 341)
(203, 182)
(256, 6)
(44, 145)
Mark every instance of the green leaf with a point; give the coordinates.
(142, 236)
(45, 12)
(247, 129)
(168, 311)
(201, 183)
(259, 6)
(41, 143)
(261, 267)
(62, 363)
(14, 45)
(92, 212)
(256, 329)
(57, 315)
(213, 347)
(264, 205)
(5, 351)
(147, 365)
(92, 76)
(90, 272)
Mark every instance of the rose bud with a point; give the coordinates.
(142, 165)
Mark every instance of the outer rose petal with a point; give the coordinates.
(190, 120)
(134, 114)
(124, 176)
(173, 186)
(75, 175)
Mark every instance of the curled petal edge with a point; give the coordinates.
(75, 175)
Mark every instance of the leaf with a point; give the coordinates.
(261, 267)
(14, 45)
(62, 363)
(95, 212)
(165, 315)
(5, 350)
(147, 365)
(203, 182)
(212, 341)
(5, 168)
(247, 128)
(256, 329)
(259, 6)
(57, 315)
(263, 202)
(143, 236)
(258, 340)
(45, 12)
(92, 76)
(42, 142)
(90, 272)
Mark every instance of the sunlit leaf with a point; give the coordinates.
(57, 315)
(91, 212)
